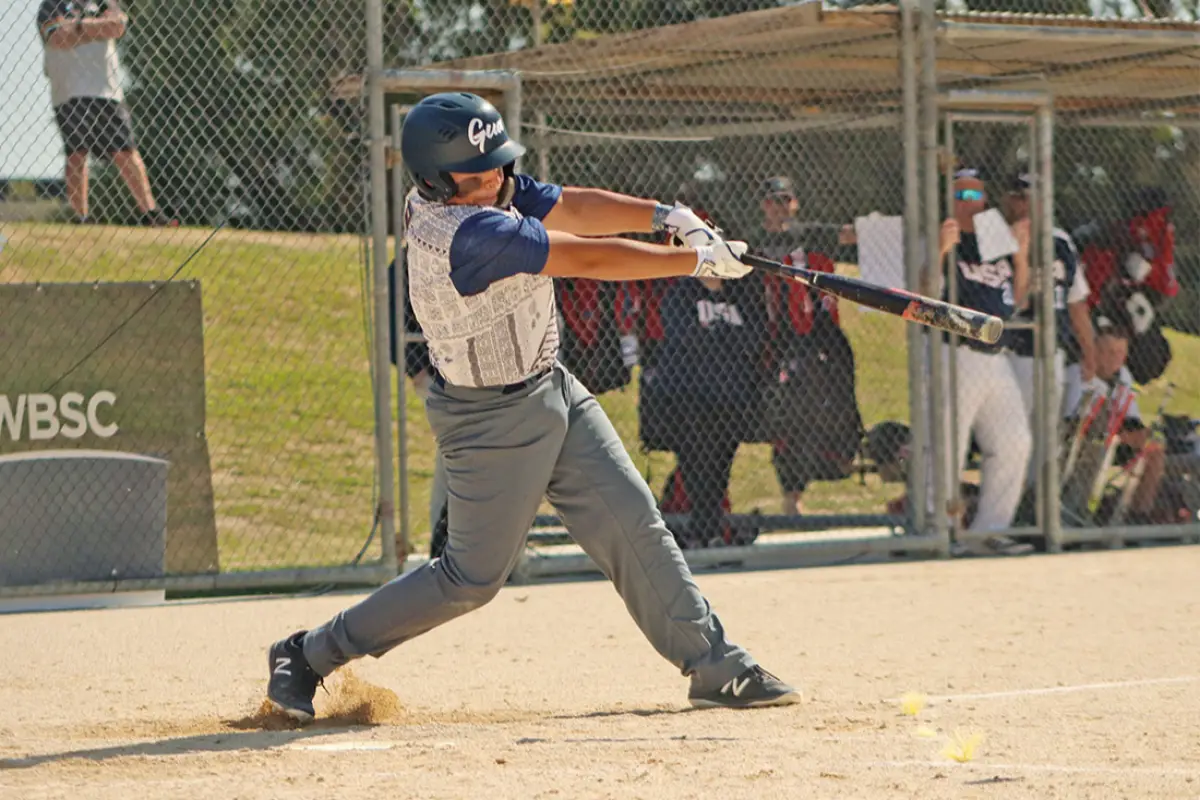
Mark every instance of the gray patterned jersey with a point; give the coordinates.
(502, 335)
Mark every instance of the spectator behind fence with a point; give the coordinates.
(80, 60)
(708, 381)
(1113, 334)
(816, 428)
(639, 303)
(988, 398)
(1131, 272)
(1072, 316)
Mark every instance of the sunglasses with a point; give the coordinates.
(969, 195)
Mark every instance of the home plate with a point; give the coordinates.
(341, 747)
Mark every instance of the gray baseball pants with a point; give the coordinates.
(503, 453)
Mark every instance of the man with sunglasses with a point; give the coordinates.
(987, 395)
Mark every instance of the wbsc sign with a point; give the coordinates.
(126, 363)
(43, 417)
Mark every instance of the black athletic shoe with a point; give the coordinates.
(293, 682)
(155, 218)
(754, 688)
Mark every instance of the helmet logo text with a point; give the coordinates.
(479, 132)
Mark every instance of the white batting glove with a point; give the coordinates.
(721, 259)
(681, 221)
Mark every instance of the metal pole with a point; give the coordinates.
(543, 152)
(953, 451)
(1053, 506)
(933, 265)
(379, 248)
(442, 80)
(513, 108)
(398, 309)
(1036, 265)
(918, 478)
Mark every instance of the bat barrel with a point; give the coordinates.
(966, 322)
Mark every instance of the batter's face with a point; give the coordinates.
(477, 188)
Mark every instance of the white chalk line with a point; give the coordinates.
(1047, 768)
(1080, 687)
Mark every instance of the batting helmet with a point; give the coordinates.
(453, 132)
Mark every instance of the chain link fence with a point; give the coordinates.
(1120, 395)
(785, 123)
(793, 142)
(185, 228)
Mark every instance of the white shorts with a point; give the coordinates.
(1023, 367)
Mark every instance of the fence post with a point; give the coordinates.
(918, 477)
(386, 509)
(933, 267)
(1048, 425)
(399, 310)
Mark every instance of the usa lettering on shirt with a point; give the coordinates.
(996, 274)
(709, 312)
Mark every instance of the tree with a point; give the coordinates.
(233, 107)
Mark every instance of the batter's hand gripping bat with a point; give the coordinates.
(964, 322)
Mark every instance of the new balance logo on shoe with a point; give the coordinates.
(281, 666)
(755, 687)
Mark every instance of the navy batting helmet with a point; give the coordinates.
(453, 132)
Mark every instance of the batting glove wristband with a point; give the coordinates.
(721, 259)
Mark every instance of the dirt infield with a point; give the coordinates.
(1072, 676)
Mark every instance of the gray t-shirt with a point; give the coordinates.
(89, 70)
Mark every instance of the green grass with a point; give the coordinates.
(290, 420)
(289, 405)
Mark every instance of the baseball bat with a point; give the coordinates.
(917, 308)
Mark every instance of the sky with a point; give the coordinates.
(30, 146)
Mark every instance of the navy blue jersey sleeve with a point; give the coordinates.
(491, 246)
(534, 198)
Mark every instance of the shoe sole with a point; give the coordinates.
(299, 715)
(789, 699)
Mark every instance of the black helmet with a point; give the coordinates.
(453, 132)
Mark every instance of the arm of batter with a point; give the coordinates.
(597, 212)
(491, 246)
(614, 259)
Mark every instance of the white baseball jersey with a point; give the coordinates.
(88, 70)
(487, 313)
